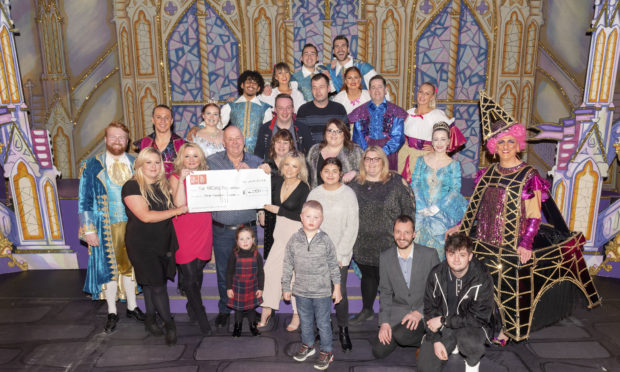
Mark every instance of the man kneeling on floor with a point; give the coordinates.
(402, 277)
(458, 304)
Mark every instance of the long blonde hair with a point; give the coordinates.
(303, 169)
(146, 189)
(385, 171)
(178, 162)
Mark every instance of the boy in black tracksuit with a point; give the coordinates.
(458, 303)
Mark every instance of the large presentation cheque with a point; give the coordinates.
(226, 190)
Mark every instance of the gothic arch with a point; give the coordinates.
(608, 75)
(390, 45)
(144, 44)
(62, 152)
(27, 203)
(597, 66)
(126, 59)
(559, 195)
(530, 48)
(511, 51)
(508, 99)
(9, 64)
(262, 42)
(526, 98)
(147, 103)
(584, 200)
(51, 206)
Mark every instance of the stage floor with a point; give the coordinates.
(47, 324)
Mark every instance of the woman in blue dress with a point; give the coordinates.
(436, 183)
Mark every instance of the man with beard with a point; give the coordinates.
(343, 60)
(402, 279)
(109, 275)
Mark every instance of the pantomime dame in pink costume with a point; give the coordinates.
(504, 218)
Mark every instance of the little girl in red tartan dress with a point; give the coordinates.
(245, 279)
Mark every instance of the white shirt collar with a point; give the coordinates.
(410, 253)
(306, 72)
(346, 65)
(254, 99)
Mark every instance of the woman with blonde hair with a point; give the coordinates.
(382, 196)
(282, 143)
(194, 234)
(288, 194)
(150, 238)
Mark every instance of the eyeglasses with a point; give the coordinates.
(372, 160)
(117, 138)
(334, 131)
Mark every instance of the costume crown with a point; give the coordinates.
(441, 125)
(494, 118)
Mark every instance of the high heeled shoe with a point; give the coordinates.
(294, 324)
(266, 322)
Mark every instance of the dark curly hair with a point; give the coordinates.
(250, 75)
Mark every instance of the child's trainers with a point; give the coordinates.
(304, 352)
(325, 359)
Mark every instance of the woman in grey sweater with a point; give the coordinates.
(340, 222)
(381, 196)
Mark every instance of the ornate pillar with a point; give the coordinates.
(201, 16)
(455, 15)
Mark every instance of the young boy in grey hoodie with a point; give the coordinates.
(311, 254)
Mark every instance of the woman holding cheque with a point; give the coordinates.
(193, 233)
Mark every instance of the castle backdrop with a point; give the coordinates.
(84, 63)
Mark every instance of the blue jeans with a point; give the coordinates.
(310, 309)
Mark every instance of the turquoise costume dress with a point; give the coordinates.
(101, 210)
(247, 116)
(439, 188)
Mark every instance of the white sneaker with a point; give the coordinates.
(469, 368)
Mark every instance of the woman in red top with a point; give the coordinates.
(193, 233)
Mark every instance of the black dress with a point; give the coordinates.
(270, 218)
(150, 246)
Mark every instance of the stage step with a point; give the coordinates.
(210, 294)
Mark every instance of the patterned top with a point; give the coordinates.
(208, 148)
(170, 152)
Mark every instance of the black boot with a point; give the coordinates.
(253, 330)
(237, 329)
(345, 340)
(190, 313)
(171, 333)
(150, 325)
(203, 322)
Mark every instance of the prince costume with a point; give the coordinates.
(109, 273)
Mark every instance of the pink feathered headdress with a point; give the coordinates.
(516, 130)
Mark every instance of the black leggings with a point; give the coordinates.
(192, 283)
(156, 301)
(250, 314)
(369, 285)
